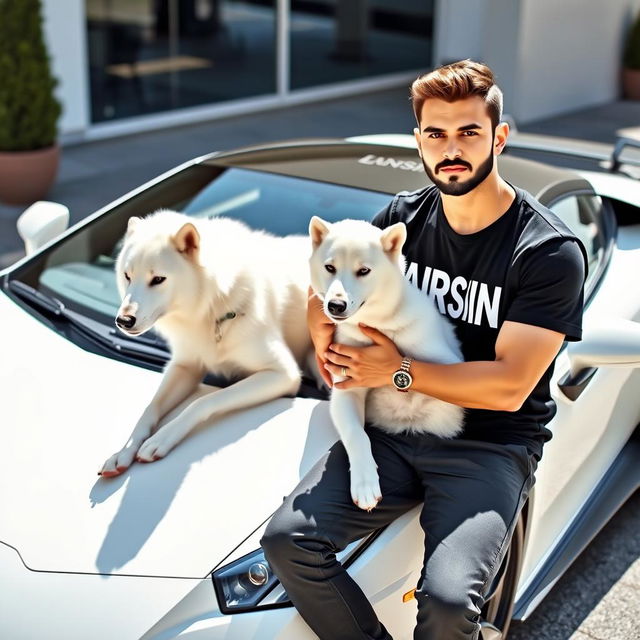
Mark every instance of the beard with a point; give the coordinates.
(455, 187)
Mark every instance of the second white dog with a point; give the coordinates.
(358, 272)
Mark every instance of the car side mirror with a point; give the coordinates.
(41, 222)
(608, 342)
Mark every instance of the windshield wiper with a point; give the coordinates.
(36, 298)
(150, 349)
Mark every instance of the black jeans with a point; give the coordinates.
(472, 493)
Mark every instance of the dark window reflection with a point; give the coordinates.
(148, 56)
(338, 40)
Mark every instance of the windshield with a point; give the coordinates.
(79, 272)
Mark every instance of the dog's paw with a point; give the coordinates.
(155, 447)
(365, 488)
(118, 463)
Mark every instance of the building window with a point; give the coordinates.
(149, 56)
(153, 56)
(338, 40)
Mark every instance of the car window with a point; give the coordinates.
(582, 213)
(281, 204)
(80, 271)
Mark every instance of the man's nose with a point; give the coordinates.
(452, 150)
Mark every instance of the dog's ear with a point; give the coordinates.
(187, 240)
(318, 229)
(132, 224)
(393, 238)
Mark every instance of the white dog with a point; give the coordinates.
(229, 300)
(357, 270)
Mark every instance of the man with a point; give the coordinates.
(510, 275)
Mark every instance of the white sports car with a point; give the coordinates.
(170, 549)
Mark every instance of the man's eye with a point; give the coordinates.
(436, 135)
(363, 272)
(469, 134)
(157, 280)
(330, 268)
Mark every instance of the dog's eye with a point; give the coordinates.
(127, 278)
(363, 271)
(330, 268)
(157, 280)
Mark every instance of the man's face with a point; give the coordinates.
(457, 143)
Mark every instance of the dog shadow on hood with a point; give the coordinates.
(225, 478)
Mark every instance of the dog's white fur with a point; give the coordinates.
(385, 300)
(212, 267)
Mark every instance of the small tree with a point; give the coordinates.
(29, 111)
(632, 50)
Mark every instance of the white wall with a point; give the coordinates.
(458, 30)
(65, 34)
(501, 47)
(549, 56)
(569, 55)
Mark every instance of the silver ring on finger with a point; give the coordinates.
(343, 372)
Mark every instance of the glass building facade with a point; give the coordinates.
(153, 56)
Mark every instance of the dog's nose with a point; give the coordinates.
(126, 322)
(337, 307)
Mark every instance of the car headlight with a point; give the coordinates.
(248, 584)
(243, 584)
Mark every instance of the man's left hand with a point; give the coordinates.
(371, 366)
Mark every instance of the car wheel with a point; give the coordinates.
(497, 611)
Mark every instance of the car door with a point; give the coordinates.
(591, 428)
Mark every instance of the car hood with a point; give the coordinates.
(65, 410)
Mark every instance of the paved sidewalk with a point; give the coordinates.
(599, 596)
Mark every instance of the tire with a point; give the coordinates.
(498, 609)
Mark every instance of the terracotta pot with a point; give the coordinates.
(27, 176)
(631, 83)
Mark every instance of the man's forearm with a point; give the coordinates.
(523, 354)
(474, 385)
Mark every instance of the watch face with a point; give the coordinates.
(402, 379)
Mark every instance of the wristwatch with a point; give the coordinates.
(401, 378)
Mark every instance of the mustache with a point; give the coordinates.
(452, 163)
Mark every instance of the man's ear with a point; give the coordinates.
(393, 238)
(500, 138)
(187, 240)
(318, 229)
(416, 133)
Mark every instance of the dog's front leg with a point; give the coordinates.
(258, 387)
(179, 381)
(347, 413)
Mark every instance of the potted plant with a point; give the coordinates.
(631, 63)
(29, 111)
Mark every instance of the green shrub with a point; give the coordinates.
(29, 111)
(632, 50)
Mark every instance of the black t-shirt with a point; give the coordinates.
(526, 267)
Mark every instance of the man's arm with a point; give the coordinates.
(523, 354)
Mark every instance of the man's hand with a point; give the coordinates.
(321, 330)
(370, 366)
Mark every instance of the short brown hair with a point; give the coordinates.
(457, 81)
